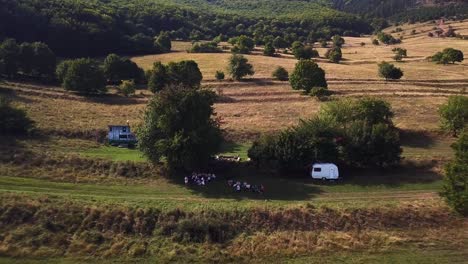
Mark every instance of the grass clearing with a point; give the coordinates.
(114, 153)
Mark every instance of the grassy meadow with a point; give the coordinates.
(78, 200)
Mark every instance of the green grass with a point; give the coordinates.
(114, 153)
(407, 255)
(126, 154)
(439, 147)
(167, 195)
(235, 149)
(403, 255)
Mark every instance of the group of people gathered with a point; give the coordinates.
(200, 179)
(246, 187)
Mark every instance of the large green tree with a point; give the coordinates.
(117, 69)
(307, 75)
(455, 189)
(178, 126)
(44, 60)
(243, 45)
(303, 52)
(183, 73)
(82, 75)
(239, 67)
(163, 42)
(37, 59)
(10, 55)
(454, 114)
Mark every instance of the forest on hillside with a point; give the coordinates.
(76, 28)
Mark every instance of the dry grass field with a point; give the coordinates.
(262, 105)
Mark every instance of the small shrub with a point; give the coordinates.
(320, 92)
(389, 71)
(281, 74)
(127, 88)
(208, 47)
(219, 75)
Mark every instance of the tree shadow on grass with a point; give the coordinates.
(408, 172)
(276, 187)
(416, 139)
(113, 99)
(11, 94)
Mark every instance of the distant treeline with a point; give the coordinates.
(403, 10)
(78, 28)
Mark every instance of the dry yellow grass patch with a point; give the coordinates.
(359, 61)
(69, 115)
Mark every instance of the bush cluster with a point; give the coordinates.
(350, 132)
(184, 73)
(455, 188)
(448, 55)
(82, 75)
(205, 47)
(32, 59)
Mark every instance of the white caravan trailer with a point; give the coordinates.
(324, 171)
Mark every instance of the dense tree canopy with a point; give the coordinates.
(301, 51)
(454, 114)
(389, 71)
(448, 55)
(178, 125)
(334, 54)
(239, 67)
(81, 28)
(455, 188)
(82, 75)
(307, 75)
(353, 132)
(33, 59)
(117, 69)
(184, 73)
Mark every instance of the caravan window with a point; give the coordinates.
(122, 136)
(317, 169)
(124, 129)
(110, 129)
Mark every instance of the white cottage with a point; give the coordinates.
(121, 135)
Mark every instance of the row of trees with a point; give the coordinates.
(32, 59)
(88, 76)
(350, 132)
